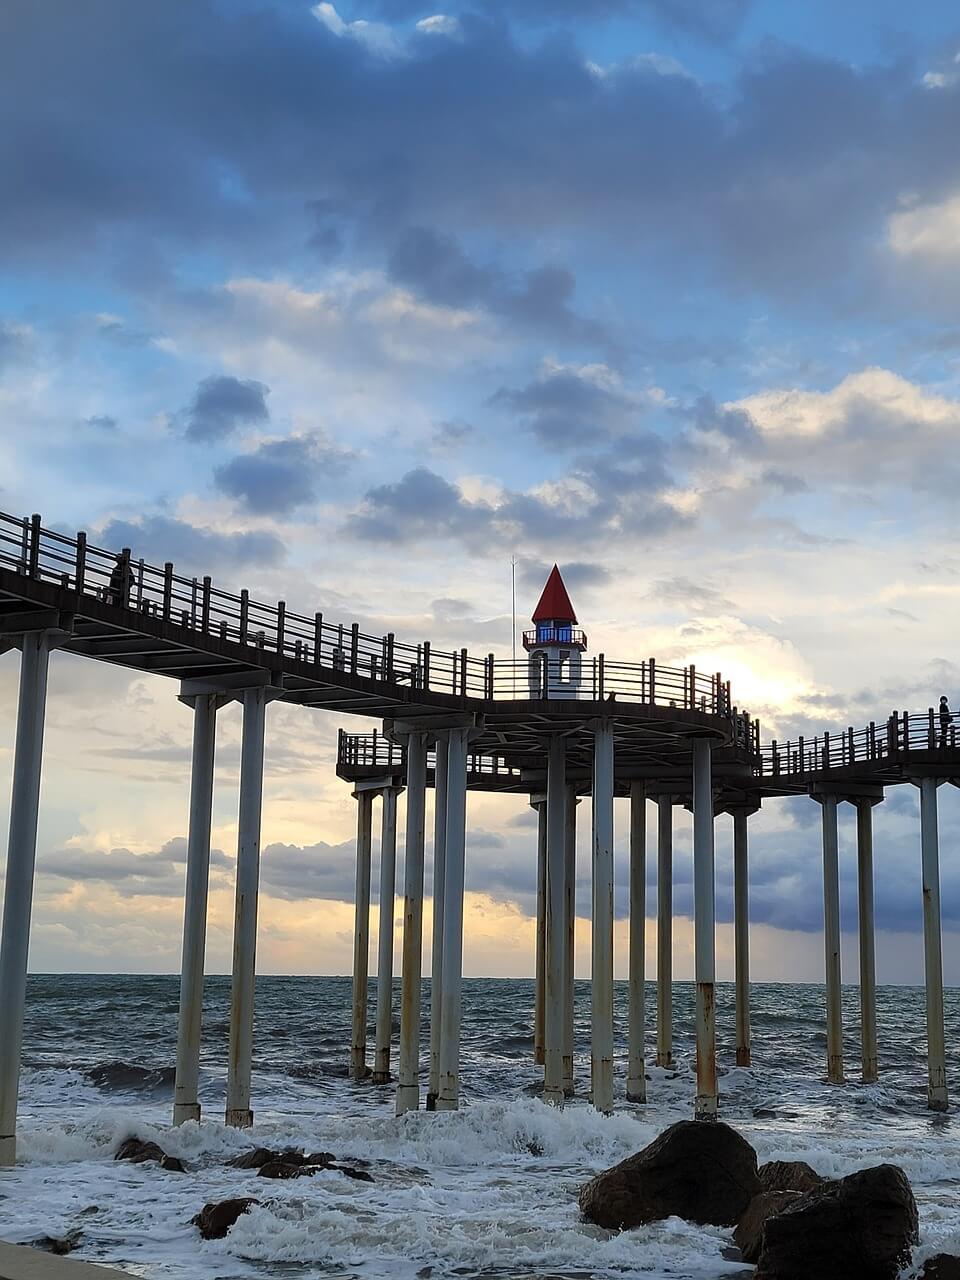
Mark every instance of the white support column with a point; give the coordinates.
(664, 931)
(186, 1102)
(868, 963)
(361, 936)
(538, 1010)
(704, 911)
(18, 893)
(439, 893)
(553, 964)
(408, 1072)
(448, 1097)
(602, 974)
(569, 930)
(932, 954)
(388, 888)
(636, 1067)
(831, 938)
(741, 933)
(240, 1063)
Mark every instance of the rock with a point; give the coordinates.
(139, 1152)
(748, 1233)
(285, 1169)
(943, 1266)
(216, 1218)
(320, 1158)
(60, 1245)
(789, 1175)
(254, 1159)
(862, 1226)
(703, 1171)
(358, 1175)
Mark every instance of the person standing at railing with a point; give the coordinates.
(118, 590)
(945, 720)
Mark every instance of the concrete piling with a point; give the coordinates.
(238, 1112)
(186, 1103)
(21, 863)
(704, 930)
(636, 1069)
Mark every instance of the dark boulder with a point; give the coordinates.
(320, 1158)
(60, 1245)
(789, 1175)
(748, 1233)
(285, 1169)
(943, 1266)
(216, 1218)
(254, 1159)
(862, 1226)
(139, 1152)
(358, 1175)
(702, 1171)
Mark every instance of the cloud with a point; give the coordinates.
(420, 504)
(436, 266)
(160, 538)
(319, 870)
(14, 342)
(927, 231)
(101, 421)
(156, 874)
(281, 475)
(568, 405)
(222, 404)
(375, 36)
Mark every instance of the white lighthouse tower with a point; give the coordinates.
(556, 645)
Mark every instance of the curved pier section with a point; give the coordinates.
(561, 725)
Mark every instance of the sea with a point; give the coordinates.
(487, 1192)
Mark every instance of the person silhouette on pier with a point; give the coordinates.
(945, 720)
(119, 586)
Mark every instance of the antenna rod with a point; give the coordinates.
(513, 601)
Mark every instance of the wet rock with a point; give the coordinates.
(862, 1226)
(358, 1175)
(254, 1159)
(320, 1158)
(216, 1218)
(943, 1266)
(789, 1175)
(139, 1152)
(285, 1169)
(748, 1233)
(702, 1171)
(60, 1245)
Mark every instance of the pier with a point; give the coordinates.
(554, 729)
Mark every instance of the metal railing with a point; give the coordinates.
(893, 739)
(573, 636)
(131, 583)
(378, 752)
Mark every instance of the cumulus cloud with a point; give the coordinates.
(222, 404)
(192, 548)
(281, 475)
(436, 266)
(575, 405)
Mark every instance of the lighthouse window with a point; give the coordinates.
(564, 659)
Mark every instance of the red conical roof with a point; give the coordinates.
(554, 604)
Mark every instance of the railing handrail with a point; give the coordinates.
(195, 603)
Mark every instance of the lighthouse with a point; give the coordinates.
(555, 645)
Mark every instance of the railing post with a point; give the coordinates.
(34, 552)
(167, 590)
(281, 625)
(426, 664)
(354, 647)
(80, 572)
(693, 687)
(463, 673)
(652, 668)
(205, 606)
(600, 676)
(244, 615)
(389, 661)
(317, 637)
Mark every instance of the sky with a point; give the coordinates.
(351, 304)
